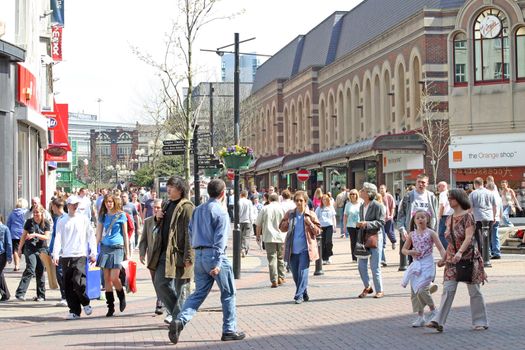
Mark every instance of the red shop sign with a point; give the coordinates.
(56, 43)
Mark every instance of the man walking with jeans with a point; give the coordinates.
(268, 222)
(209, 228)
(74, 241)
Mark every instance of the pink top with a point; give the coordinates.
(423, 243)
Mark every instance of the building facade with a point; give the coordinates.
(247, 67)
(486, 60)
(345, 99)
(26, 90)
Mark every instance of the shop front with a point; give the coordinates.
(401, 169)
(500, 155)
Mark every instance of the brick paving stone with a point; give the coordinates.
(334, 318)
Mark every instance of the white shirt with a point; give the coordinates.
(245, 211)
(74, 234)
(287, 205)
(443, 200)
(420, 203)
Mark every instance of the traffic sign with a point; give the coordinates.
(303, 175)
(175, 152)
(230, 174)
(173, 142)
(173, 148)
(205, 157)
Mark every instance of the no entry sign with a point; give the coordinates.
(303, 175)
(230, 174)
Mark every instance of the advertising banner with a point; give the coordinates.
(488, 155)
(56, 43)
(58, 124)
(401, 161)
(58, 12)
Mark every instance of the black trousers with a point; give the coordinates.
(74, 271)
(352, 231)
(4, 291)
(327, 243)
(34, 268)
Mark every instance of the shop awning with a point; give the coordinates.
(14, 53)
(405, 141)
(268, 163)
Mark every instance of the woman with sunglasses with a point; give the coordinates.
(300, 247)
(351, 217)
(461, 245)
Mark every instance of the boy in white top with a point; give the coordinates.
(74, 241)
(444, 211)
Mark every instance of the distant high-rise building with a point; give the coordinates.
(248, 66)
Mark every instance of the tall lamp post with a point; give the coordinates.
(236, 133)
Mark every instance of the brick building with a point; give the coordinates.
(343, 100)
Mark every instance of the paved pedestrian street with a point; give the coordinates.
(334, 318)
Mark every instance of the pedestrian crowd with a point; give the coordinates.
(180, 243)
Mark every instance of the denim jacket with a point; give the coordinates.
(6, 246)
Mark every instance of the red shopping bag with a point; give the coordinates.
(131, 275)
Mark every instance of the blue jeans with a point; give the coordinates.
(441, 230)
(340, 212)
(375, 259)
(173, 292)
(300, 264)
(505, 217)
(494, 240)
(204, 263)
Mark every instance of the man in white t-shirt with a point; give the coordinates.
(444, 211)
(84, 204)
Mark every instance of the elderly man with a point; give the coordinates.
(150, 231)
(268, 222)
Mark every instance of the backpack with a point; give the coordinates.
(131, 225)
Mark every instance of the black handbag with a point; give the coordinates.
(361, 251)
(464, 267)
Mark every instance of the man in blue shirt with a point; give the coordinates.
(209, 228)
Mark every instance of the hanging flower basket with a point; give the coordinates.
(236, 157)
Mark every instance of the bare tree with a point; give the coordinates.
(176, 68)
(435, 127)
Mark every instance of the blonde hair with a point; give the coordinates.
(356, 192)
(21, 203)
(318, 193)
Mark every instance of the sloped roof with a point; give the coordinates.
(340, 34)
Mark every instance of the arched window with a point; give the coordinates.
(491, 46)
(520, 53)
(460, 59)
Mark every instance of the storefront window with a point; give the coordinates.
(460, 59)
(520, 53)
(491, 46)
(23, 162)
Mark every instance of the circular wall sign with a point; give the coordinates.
(490, 27)
(303, 175)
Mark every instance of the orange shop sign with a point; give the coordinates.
(488, 155)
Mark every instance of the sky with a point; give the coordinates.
(98, 63)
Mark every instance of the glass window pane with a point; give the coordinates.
(520, 55)
(460, 60)
(479, 68)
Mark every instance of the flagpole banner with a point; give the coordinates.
(58, 12)
(56, 43)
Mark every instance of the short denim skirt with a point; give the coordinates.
(110, 257)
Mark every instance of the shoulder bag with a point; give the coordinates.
(464, 267)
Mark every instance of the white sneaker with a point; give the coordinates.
(431, 315)
(419, 322)
(72, 316)
(329, 261)
(62, 302)
(88, 310)
(394, 246)
(168, 319)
